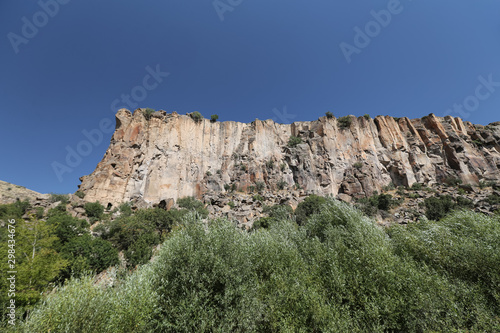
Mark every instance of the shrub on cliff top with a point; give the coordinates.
(197, 117)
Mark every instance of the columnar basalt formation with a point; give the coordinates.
(158, 158)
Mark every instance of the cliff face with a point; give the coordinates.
(168, 156)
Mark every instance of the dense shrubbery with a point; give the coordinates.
(48, 251)
(439, 206)
(94, 210)
(336, 272)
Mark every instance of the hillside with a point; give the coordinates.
(10, 193)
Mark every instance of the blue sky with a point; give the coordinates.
(64, 66)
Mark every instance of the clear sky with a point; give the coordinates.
(67, 66)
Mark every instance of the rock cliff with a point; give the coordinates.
(157, 158)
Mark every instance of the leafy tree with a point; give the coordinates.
(94, 209)
(190, 203)
(311, 205)
(36, 262)
(214, 118)
(438, 207)
(329, 115)
(196, 116)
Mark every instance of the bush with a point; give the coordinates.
(416, 186)
(311, 205)
(329, 115)
(270, 164)
(439, 206)
(80, 194)
(367, 116)
(358, 165)
(231, 204)
(63, 198)
(190, 203)
(196, 116)
(125, 209)
(94, 209)
(294, 141)
(493, 199)
(214, 118)
(345, 122)
(260, 186)
(453, 181)
(148, 113)
(339, 272)
(258, 198)
(281, 184)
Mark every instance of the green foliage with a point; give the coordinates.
(367, 116)
(190, 203)
(358, 165)
(231, 204)
(281, 184)
(258, 198)
(148, 113)
(227, 187)
(283, 166)
(389, 187)
(278, 212)
(260, 186)
(125, 209)
(63, 198)
(80, 194)
(196, 116)
(493, 199)
(311, 205)
(329, 115)
(437, 207)
(208, 173)
(370, 206)
(345, 121)
(243, 167)
(263, 223)
(94, 209)
(416, 186)
(14, 210)
(453, 181)
(37, 263)
(484, 184)
(270, 164)
(339, 272)
(294, 141)
(214, 118)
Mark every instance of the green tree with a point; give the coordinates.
(311, 205)
(196, 116)
(214, 118)
(94, 210)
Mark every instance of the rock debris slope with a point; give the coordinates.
(154, 159)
